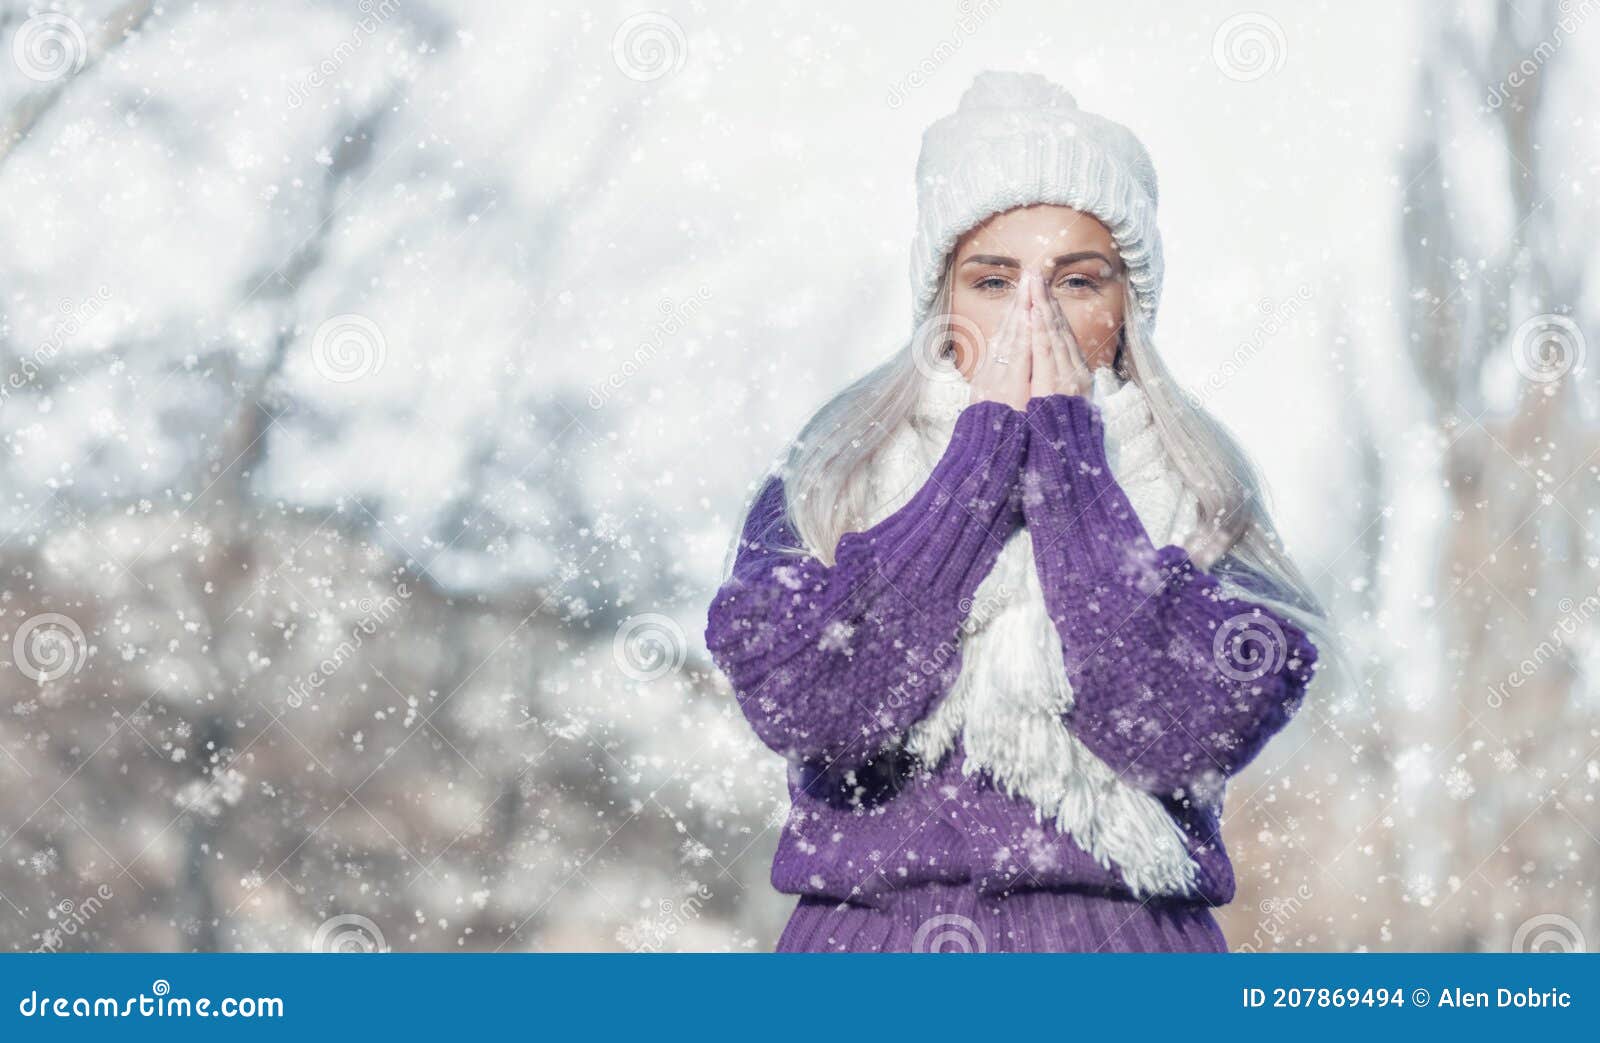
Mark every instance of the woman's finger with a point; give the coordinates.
(1019, 346)
(991, 368)
(1005, 337)
(1002, 371)
(1069, 339)
(1065, 346)
(1020, 380)
(1046, 372)
(1011, 335)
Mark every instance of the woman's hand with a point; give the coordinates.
(1005, 363)
(1058, 365)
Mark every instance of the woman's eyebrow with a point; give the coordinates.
(1064, 259)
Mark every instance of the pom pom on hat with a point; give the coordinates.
(1015, 90)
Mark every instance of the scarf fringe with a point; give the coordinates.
(1012, 691)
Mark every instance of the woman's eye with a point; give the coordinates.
(1078, 282)
(992, 283)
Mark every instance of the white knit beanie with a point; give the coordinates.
(1017, 139)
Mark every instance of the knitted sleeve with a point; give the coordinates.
(1175, 686)
(831, 661)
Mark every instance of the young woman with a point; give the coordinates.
(1013, 608)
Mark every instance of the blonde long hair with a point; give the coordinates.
(826, 469)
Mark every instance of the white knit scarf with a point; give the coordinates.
(1007, 704)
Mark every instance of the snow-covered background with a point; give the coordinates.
(380, 383)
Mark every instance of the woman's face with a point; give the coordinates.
(1074, 254)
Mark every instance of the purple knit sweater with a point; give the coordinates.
(831, 665)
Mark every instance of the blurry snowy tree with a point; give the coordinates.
(1452, 803)
(327, 592)
(1499, 235)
